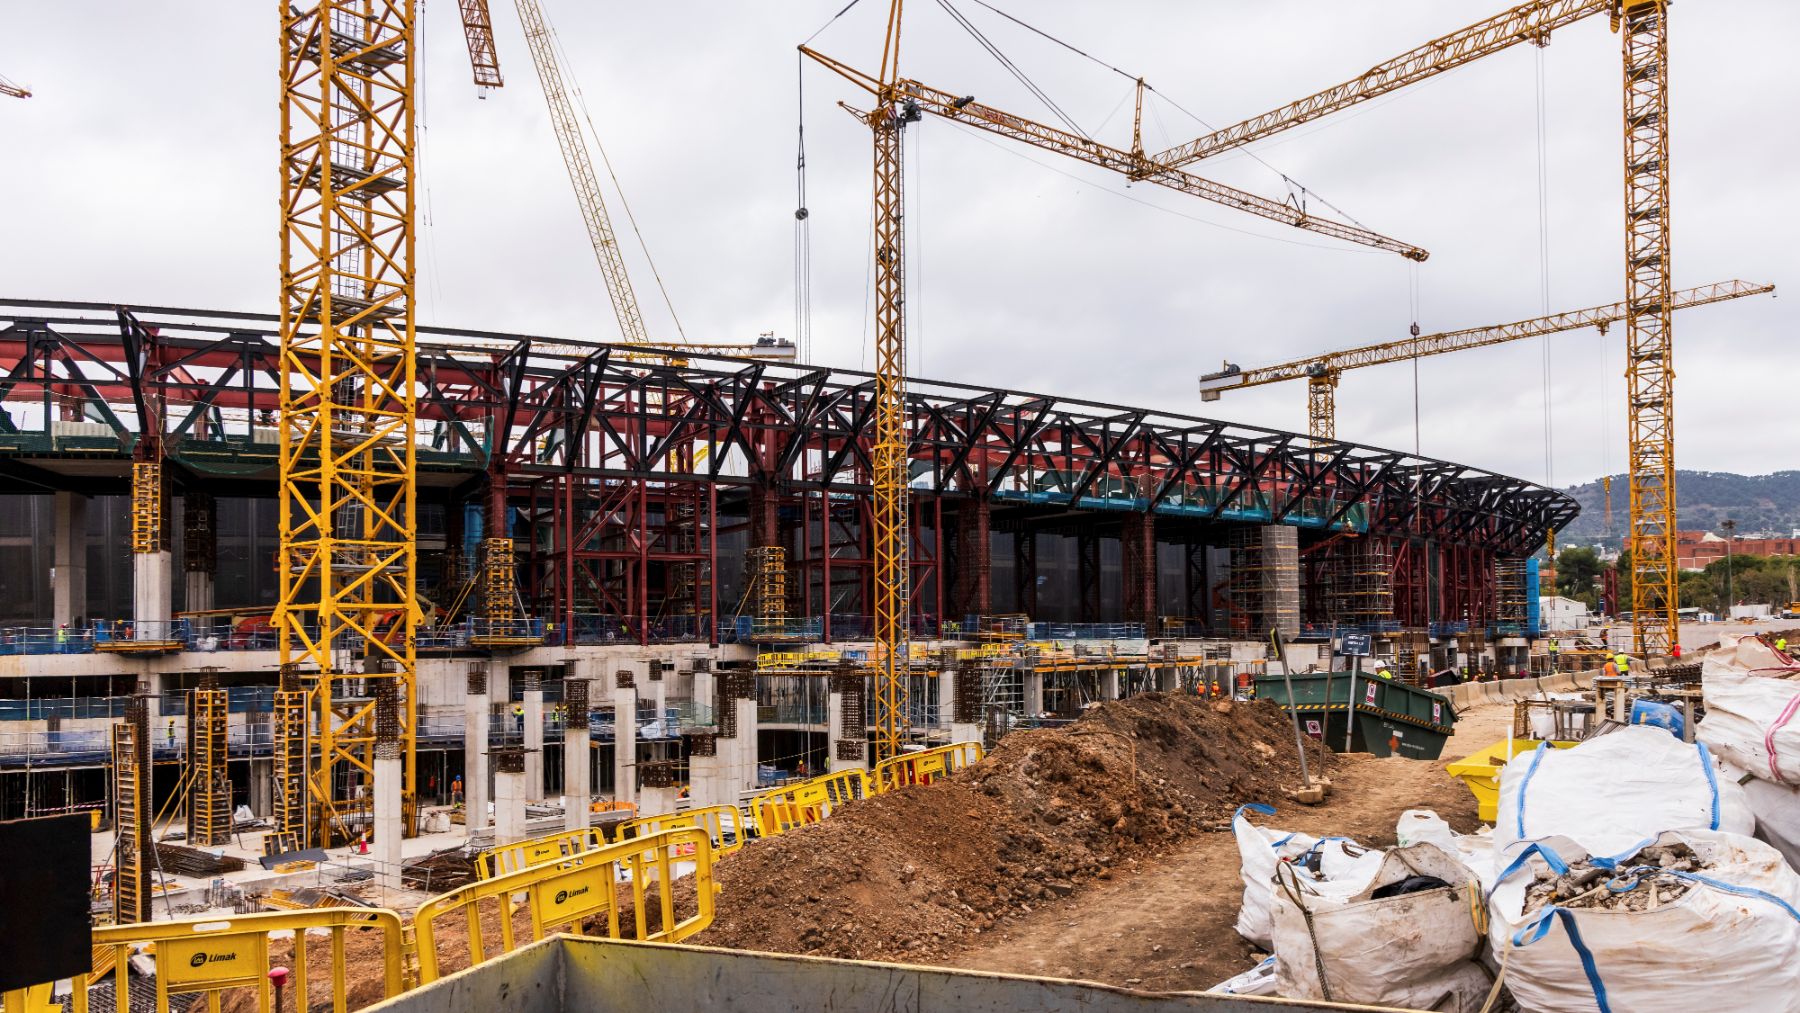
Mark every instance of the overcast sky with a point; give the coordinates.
(144, 170)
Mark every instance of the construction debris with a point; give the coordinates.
(180, 860)
(1650, 882)
(441, 870)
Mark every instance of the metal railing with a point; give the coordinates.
(724, 824)
(574, 893)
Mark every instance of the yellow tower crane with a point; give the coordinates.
(1322, 372)
(897, 102)
(346, 612)
(11, 90)
(1649, 299)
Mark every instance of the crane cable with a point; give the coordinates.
(1543, 210)
(581, 101)
(802, 221)
(1294, 185)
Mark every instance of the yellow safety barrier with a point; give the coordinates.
(723, 823)
(211, 956)
(563, 894)
(505, 858)
(924, 766)
(795, 805)
(775, 660)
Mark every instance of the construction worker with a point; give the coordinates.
(1555, 650)
(456, 790)
(1624, 663)
(1610, 670)
(62, 639)
(1781, 644)
(1383, 673)
(519, 718)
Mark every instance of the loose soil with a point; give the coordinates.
(924, 874)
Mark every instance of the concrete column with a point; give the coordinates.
(68, 582)
(1280, 569)
(1109, 684)
(952, 683)
(704, 779)
(1034, 693)
(1168, 679)
(509, 794)
(658, 801)
(534, 735)
(624, 743)
(152, 575)
(262, 787)
(389, 825)
(746, 745)
(576, 761)
(199, 551)
(476, 716)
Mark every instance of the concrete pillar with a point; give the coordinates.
(509, 794)
(1034, 693)
(152, 575)
(199, 549)
(389, 824)
(625, 738)
(952, 684)
(972, 592)
(1109, 684)
(847, 744)
(68, 582)
(746, 745)
(576, 761)
(658, 801)
(262, 787)
(476, 716)
(1280, 571)
(1168, 679)
(534, 735)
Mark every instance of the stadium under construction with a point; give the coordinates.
(681, 550)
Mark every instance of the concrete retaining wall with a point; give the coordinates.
(1470, 694)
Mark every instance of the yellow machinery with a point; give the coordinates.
(1649, 297)
(1322, 371)
(131, 816)
(209, 819)
(348, 405)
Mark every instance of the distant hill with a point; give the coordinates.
(1759, 504)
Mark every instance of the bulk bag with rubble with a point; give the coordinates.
(1611, 792)
(1407, 937)
(1752, 695)
(1331, 863)
(1689, 920)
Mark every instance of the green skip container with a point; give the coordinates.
(1384, 717)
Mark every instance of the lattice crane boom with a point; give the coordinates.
(478, 31)
(964, 109)
(1213, 385)
(581, 173)
(1528, 22)
(11, 90)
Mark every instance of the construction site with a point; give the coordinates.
(439, 667)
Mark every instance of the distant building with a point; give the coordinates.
(1695, 549)
(1563, 614)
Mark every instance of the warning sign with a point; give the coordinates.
(1315, 729)
(1369, 694)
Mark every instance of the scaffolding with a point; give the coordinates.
(292, 799)
(131, 818)
(146, 507)
(499, 596)
(209, 793)
(767, 565)
(1510, 606)
(1265, 580)
(1358, 587)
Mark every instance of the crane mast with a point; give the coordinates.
(581, 174)
(346, 706)
(1649, 363)
(1649, 372)
(893, 585)
(478, 31)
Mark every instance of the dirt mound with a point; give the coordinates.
(910, 874)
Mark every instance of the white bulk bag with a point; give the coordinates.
(1730, 942)
(1476, 850)
(1753, 719)
(1413, 950)
(1613, 792)
(1261, 850)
